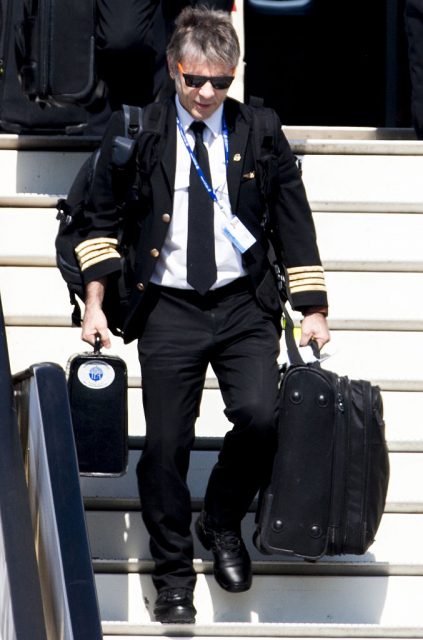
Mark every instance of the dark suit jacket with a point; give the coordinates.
(290, 220)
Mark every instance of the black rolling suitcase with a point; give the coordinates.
(17, 113)
(331, 470)
(56, 43)
(97, 386)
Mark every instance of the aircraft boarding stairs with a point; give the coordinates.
(366, 192)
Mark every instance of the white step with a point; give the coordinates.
(397, 135)
(392, 359)
(363, 240)
(370, 241)
(402, 411)
(379, 305)
(120, 537)
(364, 179)
(405, 492)
(27, 236)
(113, 631)
(38, 172)
(344, 178)
(393, 601)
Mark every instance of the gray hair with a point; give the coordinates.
(204, 33)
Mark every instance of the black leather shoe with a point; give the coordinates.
(175, 605)
(232, 564)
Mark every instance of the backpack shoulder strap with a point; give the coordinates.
(133, 117)
(123, 146)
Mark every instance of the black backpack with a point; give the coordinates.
(71, 214)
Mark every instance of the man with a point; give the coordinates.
(203, 293)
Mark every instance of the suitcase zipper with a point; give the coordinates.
(341, 430)
(367, 420)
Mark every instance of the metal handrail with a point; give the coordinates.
(21, 609)
(61, 538)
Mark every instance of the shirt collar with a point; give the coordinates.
(214, 123)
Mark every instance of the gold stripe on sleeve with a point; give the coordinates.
(96, 250)
(309, 278)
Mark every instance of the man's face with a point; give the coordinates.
(203, 101)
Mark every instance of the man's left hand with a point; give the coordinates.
(314, 327)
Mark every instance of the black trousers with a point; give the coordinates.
(184, 333)
(414, 28)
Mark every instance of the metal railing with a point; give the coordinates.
(61, 539)
(21, 609)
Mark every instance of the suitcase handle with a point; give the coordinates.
(292, 348)
(97, 345)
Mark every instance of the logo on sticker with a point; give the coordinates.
(96, 374)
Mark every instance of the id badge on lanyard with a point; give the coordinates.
(236, 231)
(233, 228)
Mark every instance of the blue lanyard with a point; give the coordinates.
(199, 170)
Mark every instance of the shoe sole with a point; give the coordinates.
(176, 620)
(244, 586)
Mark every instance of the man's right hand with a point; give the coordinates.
(95, 322)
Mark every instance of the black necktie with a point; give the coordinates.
(201, 263)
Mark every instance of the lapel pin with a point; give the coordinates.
(237, 157)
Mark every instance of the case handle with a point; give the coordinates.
(97, 344)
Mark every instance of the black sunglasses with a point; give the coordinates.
(194, 81)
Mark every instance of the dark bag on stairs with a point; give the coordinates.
(331, 469)
(56, 43)
(97, 386)
(17, 113)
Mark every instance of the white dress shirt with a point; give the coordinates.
(171, 268)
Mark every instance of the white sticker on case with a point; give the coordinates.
(96, 374)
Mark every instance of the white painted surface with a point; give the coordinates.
(394, 357)
(380, 179)
(365, 240)
(38, 172)
(328, 178)
(380, 601)
(405, 492)
(27, 236)
(402, 412)
(120, 535)
(39, 296)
